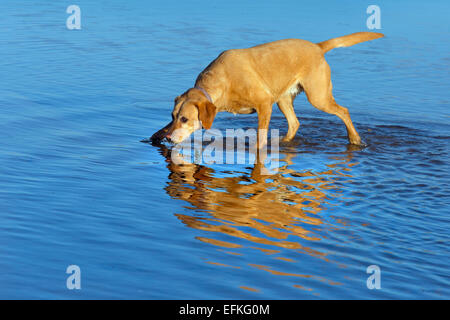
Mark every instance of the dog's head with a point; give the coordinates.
(191, 112)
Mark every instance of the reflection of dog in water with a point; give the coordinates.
(274, 206)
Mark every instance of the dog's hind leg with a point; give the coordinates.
(318, 89)
(285, 105)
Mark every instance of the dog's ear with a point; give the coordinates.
(206, 113)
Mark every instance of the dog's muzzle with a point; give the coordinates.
(161, 134)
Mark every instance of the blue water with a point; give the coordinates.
(77, 187)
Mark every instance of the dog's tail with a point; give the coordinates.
(348, 40)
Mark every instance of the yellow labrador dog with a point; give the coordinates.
(252, 80)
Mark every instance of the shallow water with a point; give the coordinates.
(78, 186)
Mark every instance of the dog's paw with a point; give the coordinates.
(357, 147)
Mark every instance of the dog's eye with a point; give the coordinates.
(184, 119)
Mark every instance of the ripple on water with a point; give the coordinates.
(298, 211)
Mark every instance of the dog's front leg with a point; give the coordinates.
(264, 115)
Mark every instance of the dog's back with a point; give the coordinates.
(276, 66)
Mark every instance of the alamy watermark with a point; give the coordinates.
(73, 22)
(74, 279)
(236, 146)
(374, 281)
(374, 20)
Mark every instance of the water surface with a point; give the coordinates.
(78, 187)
